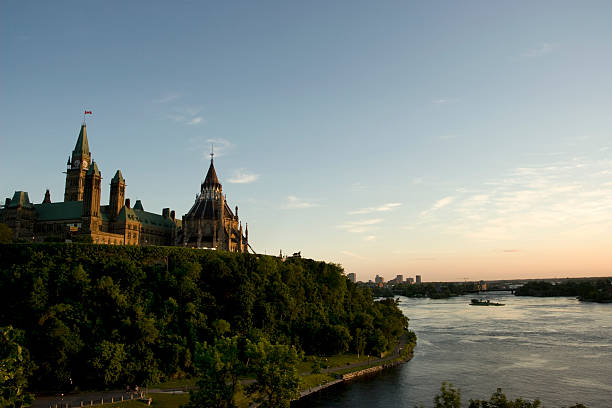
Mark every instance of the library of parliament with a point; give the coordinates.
(210, 223)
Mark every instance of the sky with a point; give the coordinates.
(453, 140)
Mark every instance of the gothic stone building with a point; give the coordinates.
(209, 224)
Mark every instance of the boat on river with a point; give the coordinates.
(485, 302)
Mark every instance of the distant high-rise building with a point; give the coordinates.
(418, 279)
(399, 279)
(351, 276)
(379, 279)
(410, 281)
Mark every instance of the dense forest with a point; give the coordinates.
(97, 316)
(586, 290)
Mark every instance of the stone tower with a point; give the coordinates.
(92, 220)
(78, 164)
(117, 194)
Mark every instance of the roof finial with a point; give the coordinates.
(212, 152)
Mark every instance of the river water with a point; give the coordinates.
(556, 349)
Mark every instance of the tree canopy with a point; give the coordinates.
(104, 316)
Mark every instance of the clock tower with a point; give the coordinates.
(78, 164)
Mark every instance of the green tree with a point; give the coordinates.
(275, 370)
(15, 367)
(449, 397)
(499, 400)
(219, 367)
(6, 234)
(359, 341)
(108, 361)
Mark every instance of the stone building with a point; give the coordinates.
(210, 222)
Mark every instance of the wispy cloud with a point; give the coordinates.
(380, 208)
(357, 186)
(296, 203)
(203, 146)
(566, 198)
(539, 50)
(186, 115)
(354, 255)
(360, 226)
(369, 238)
(441, 203)
(167, 98)
(444, 100)
(242, 176)
(220, 146)
(440, 101)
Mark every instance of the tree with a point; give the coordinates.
(6, 234)
(275, 370)
(15, 367)
(499, 400)
(449, 397)
(360, 341)
(219, 367)
(109, 360)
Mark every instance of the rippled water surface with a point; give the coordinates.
(556, 349)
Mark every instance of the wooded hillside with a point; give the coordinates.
(111, 315)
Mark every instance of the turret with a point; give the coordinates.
(117, 194)
(211, 187)
(91, 199)
(47, 199)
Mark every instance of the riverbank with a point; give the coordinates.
(176, 393)
(402, 354)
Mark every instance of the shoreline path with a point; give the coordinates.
(74, 400)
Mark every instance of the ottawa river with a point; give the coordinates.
(556, 349)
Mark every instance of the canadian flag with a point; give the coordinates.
(88, 112)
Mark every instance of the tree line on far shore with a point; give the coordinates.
(97, 316)
(588, 290)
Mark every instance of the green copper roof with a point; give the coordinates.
(82, 145)
(118, 177)
(138, 205)
(20, 198)
(147, 219)
(67, 210)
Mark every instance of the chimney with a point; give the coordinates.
(166, 212)
(172, 215)
(47, 197)
(127, 203)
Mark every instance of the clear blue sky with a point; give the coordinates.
(448, 139)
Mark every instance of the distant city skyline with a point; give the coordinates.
(448, 140)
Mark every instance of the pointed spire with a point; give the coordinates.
(82, 145)
(117, 178)
(47, 199)
(93, 169)
(211, 179)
